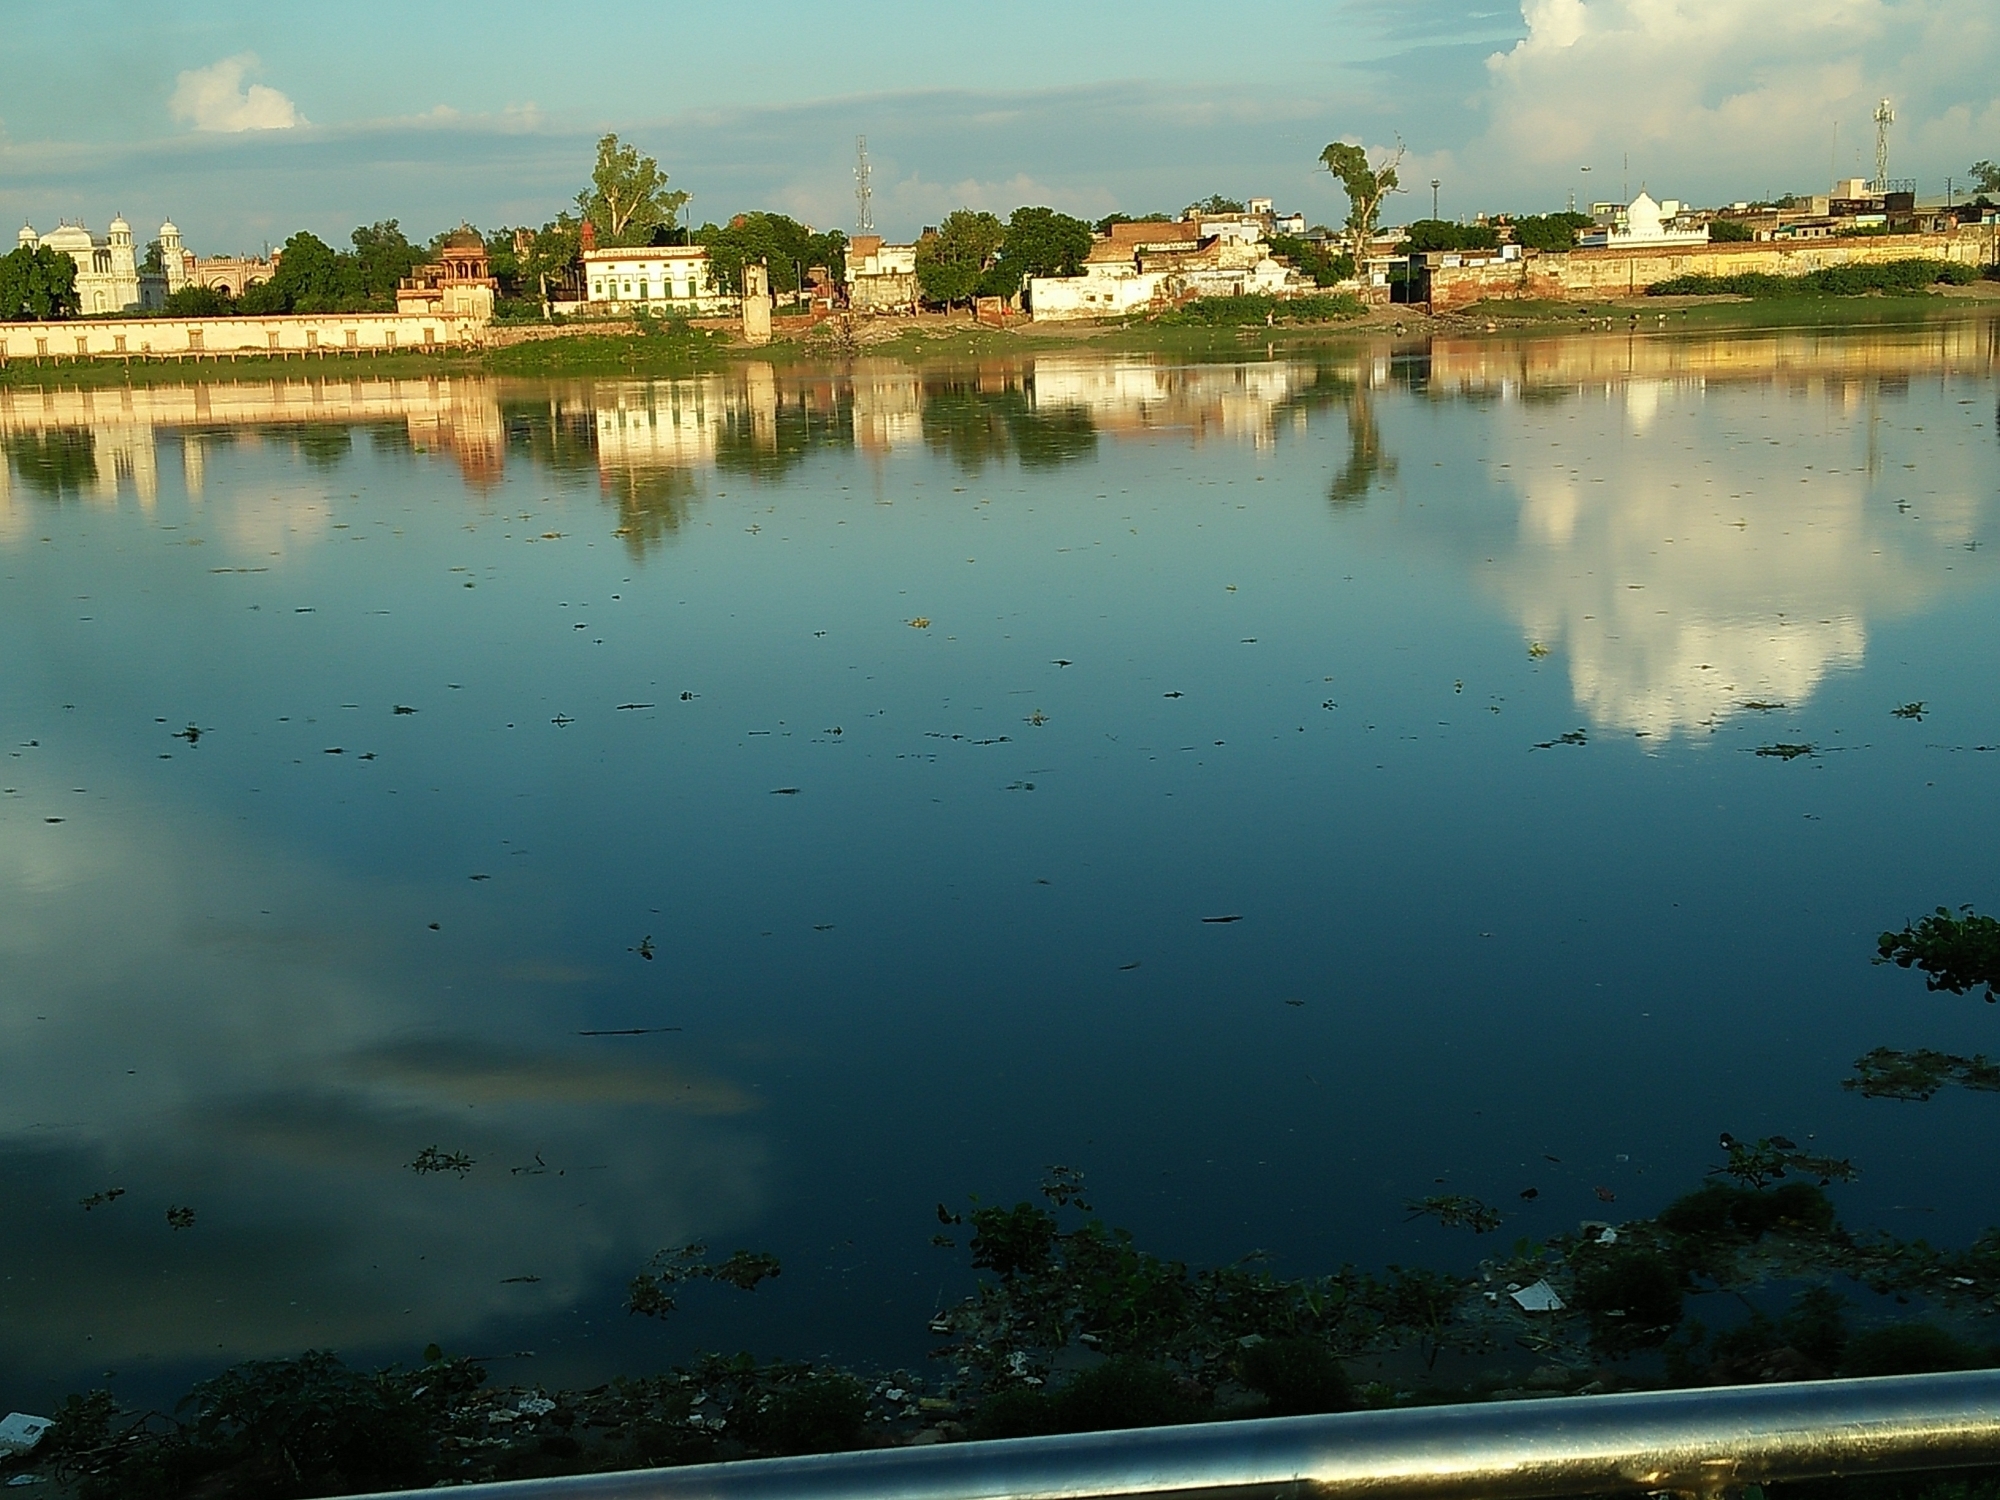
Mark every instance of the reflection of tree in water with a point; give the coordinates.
(1368, 463)
(769, 442)
(553, 434)
(975, 427)
(58, 463)
(652, 505)
(321, 445)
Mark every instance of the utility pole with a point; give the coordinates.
(864, 190)
(1586, 188)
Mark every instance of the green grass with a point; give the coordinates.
(94, 373)
(1912, 277)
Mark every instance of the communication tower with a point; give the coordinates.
(1884, 118)
(864, 191)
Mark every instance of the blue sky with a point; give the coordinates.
(244, 122)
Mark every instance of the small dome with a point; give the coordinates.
(465, 237)
(27, 236)
(119, 226)
(169, 228)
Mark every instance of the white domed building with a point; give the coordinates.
(108, 277)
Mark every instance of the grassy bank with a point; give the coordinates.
(73, 374)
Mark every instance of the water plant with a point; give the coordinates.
(1956, 951)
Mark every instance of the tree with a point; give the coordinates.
(628, 196)
(200, 302)
(37, 285)
(551, 258)
(1324, 263)
(1985, 177)
(950, 262)
(787, 247)
(1442, 234)
(1366, 187)
(1104, 224)
(1551, 233)
(1213, 204)
(155, 263)
(1730, 231)
(384, 257)
(312, 277)
(1040, 242)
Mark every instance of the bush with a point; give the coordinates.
(1717, 1208)
(1631, 1296)
(1896, 277)
(1909, 1349)
(200, 302)
(1120, 1393)
(1297, 1377)
(820, 1413)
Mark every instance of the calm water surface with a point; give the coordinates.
(363, 740)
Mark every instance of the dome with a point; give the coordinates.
(27, 237)
(169, 230)
(70, 237)
(119, 226)
(465, 237)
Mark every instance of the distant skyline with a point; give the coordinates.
(247, 122)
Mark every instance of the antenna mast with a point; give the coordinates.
(1884, 118)
(864, 192)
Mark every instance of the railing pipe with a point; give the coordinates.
(1695, 1442)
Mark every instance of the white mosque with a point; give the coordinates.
(109, 278)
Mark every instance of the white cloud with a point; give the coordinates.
(1736, 97)
(215, 98)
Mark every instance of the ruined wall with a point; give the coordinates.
(1584, 274)
(185, 338)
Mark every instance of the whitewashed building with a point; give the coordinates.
(108, 278)
(660, 278)
(1643, 225)
(1158, 264)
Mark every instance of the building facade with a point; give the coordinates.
(881, 278)
(659, 278)
(109, 277)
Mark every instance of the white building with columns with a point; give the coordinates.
(108, 276)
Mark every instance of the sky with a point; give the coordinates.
(246, 122)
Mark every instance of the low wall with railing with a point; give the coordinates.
(292, 336)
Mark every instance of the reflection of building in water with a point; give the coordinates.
(1689, 557)
(102, 443)
(1132, 395)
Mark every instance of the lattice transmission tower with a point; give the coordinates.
(864, 190)
(1884, 118)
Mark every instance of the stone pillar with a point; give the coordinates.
(757, 304)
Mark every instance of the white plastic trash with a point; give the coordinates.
(19, 1433)
(1539, 1297)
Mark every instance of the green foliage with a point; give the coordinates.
(1258, 309)
(1040, 242)
(788, 247)
(1213, 206)
(1888, 1074)
(977, 427)
(1631, 1295)
(814, 1412)
(1322, 262)
(1550, 233)
(37, 285)
(1103, 225)
(650, 1293)
(1296, 1376)
(1959, 953)
(1730, 232)
(1897, 277)
(312, 277)
(1770, 1158)
(951, 262)
(1455, 1210)
(1716, 1209)
(628, 197)
(154, 262)
(58, 463)
(1442, 234)
(384, 256)
(1118, 1394)
(1985, 177)
(1366, 185)
(193, 301)
(1910, 1349)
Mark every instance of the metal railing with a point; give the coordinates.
(1696, 1442)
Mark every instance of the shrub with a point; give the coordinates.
(1896, 277)
(1909, 1349)
(1297, 1377)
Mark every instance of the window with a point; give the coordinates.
(597, 290)
(194, 339)
(312, 338)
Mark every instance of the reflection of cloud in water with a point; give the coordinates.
(279, 1080)
(1684, 570)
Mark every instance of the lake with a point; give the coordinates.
(758, 808)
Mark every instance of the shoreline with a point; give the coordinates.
(626, 350)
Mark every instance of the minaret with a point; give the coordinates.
(175, 257)
(27, 238)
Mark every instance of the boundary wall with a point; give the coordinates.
(309, 335)
(1582, 275)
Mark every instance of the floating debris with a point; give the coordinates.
(1958, 953)
(1909, 711)
(1537, 1296)
(1456, 1211)
(1784, 751)
(430, 1159)
(180, 1217)
(1888, 1074)
(98, 1200)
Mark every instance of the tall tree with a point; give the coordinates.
(312, 277)
(38, 284)
(1040, 242)
(1367, 185)
(628, 197)
(386, 256)
(785, 245)
(950, 262)
(1985, 177)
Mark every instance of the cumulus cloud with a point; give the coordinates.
(1737, 96)
(216, 98)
